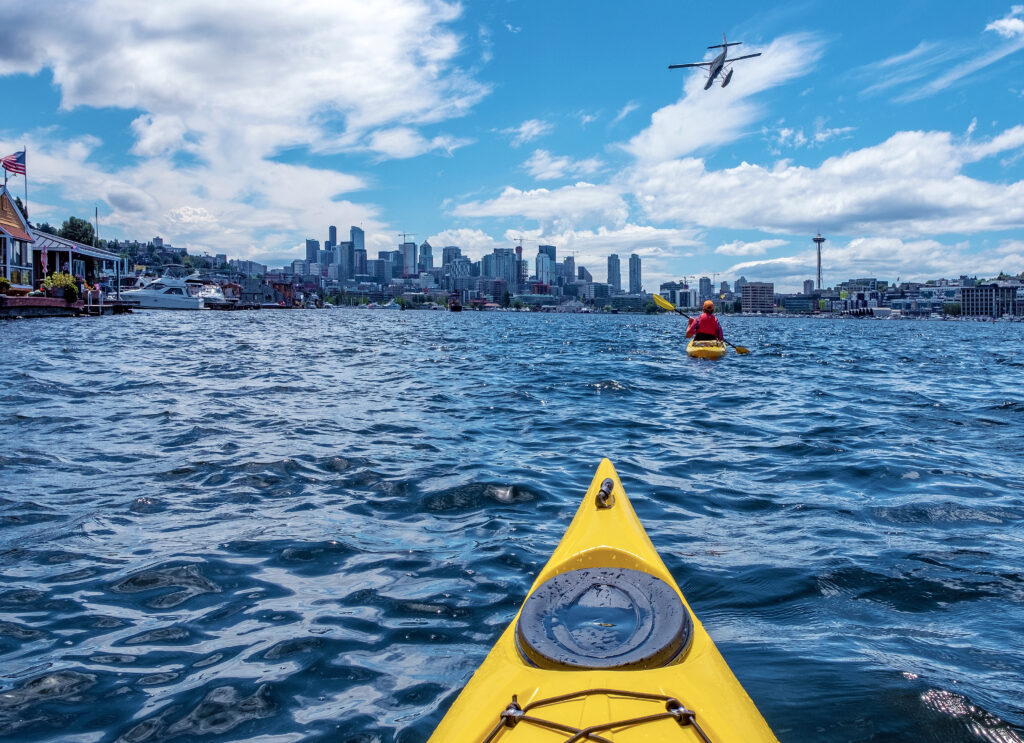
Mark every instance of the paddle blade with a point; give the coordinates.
(741, 350)
(662, 302)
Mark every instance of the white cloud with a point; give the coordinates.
(758, 247)
(560, 207)
(657, 247)
(473, 242)
(707, 118)
(231, 87)
(1011, 26)
(624, 112)
(911, 184)
(404, 142)
(542, 165)
(883, 258)
(528, 131)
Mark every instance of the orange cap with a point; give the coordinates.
(709, 306)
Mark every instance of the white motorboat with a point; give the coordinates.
(166, 293)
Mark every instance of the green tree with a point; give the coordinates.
(506, 299)
(46, 227)
(21, 207)
(951, 308)
(79, 230)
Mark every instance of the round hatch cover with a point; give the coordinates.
(603, 618)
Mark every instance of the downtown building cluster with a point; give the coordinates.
(421, 273)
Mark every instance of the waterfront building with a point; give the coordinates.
(809, 286)
(495, 289)
(543, 264)
(758, 296)
(675, 292)
(300, 268)
(614, 273)
(636, 286)
(704, 288)
(312, 247)
(993, 300)
(408, 251)
(52, 253)
(15, 244)
(220, 258)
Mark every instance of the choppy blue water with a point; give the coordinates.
(312, 526)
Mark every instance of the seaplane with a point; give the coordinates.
(717, 65)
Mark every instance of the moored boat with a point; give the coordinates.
(604, 648)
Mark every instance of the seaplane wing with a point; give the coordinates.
(746, 56)
(691, 64)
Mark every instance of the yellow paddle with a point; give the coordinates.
(666, 305)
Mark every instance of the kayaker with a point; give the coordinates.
(706, 327)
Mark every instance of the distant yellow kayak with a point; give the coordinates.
(706, 349)
(605, 648)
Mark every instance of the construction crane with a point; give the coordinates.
(406, 235)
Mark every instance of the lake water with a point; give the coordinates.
(312, 526)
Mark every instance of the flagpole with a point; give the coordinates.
(24, 151)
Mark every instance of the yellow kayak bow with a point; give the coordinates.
(605, 648)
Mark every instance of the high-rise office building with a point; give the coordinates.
(550, 250)
(426, 261)
(809, 286)
(614, 273)
(737, 285)
(312, 246)
(448, 254)
(358, 238)
(583, 275)
(705, 288)
(636, 285)
(505, 266)
(724, 288)
(758, 296)
(408, 259)
(359, 262)
(543, 268)
(568, 270)
(332, 235)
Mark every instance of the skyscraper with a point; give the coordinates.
(568, 270)
(614, 273)
(550, 250)
(448, 254)
(635, 284)
(809, 286)
(705, 288)
(312, 246)
(737, 285)
(408, 259)
(505, 266)
(426, 261)
(358, 238)
(332, 235)
(543, 268)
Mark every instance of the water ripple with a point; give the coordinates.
(306, 526)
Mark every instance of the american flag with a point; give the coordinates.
(14, 163)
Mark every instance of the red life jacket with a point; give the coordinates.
(707, 324)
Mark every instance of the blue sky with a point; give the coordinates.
(896, 129)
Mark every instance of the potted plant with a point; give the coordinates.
(5, 285)
(61, 285)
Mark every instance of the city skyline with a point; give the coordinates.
(896, 133)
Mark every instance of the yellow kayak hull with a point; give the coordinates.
(609, 537)
(706, 349)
